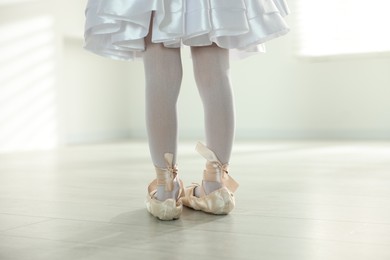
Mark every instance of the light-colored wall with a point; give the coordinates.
(30, 51)
(95, 96)
(278, 95)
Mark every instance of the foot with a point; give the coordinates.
(215, 195)
(162, 193)
(166, 204)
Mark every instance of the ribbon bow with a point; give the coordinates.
(215, 170)
(166, 176)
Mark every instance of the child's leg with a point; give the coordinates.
(211, 70)
(163, 75)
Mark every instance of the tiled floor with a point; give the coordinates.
(297, 200)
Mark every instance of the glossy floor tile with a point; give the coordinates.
(297, 200)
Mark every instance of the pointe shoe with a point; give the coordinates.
(219, 202)
(169, 209)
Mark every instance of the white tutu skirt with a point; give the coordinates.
(117, 28)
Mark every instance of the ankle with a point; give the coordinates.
(215, 175)
(208, 187)
(168, 183)
(163, 194)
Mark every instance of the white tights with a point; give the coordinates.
(163, 76)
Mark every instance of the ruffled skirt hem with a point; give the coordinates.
(117, 28)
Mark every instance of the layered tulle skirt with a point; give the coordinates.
(117, 28)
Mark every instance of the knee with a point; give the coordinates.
(216, 79)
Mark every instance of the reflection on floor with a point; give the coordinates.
(297, 200)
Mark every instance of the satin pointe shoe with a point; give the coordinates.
(169, 209)
(218, 202)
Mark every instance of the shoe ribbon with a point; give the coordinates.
(215, 170)
(165, 176)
